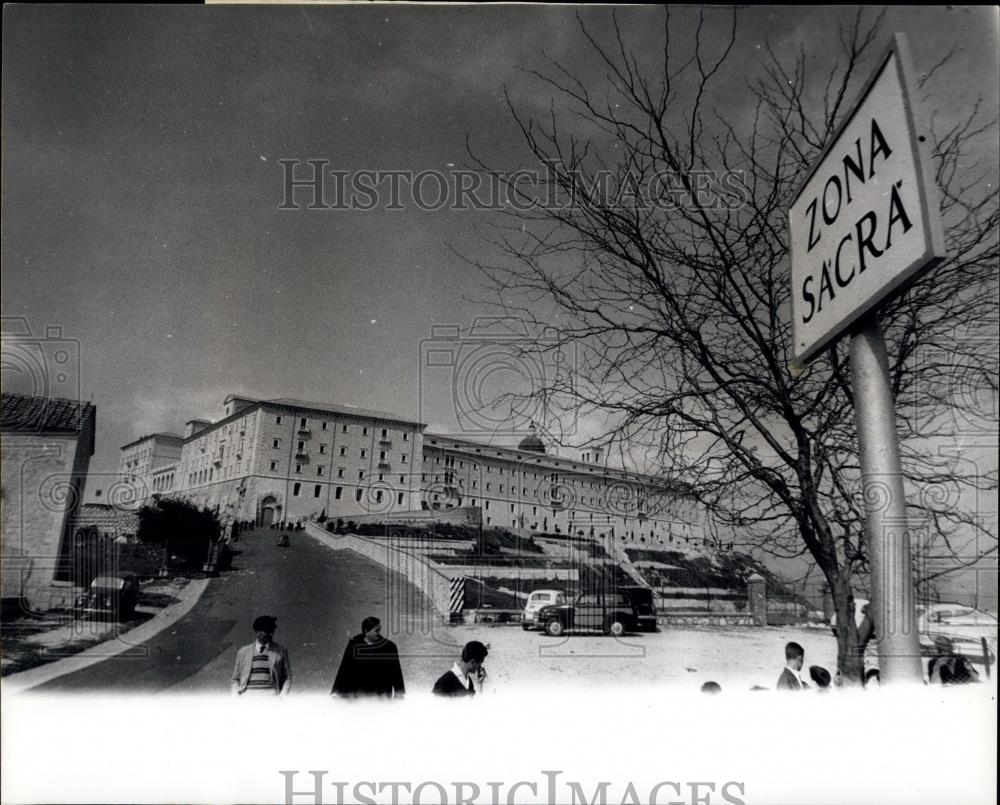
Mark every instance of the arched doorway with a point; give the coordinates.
(270, 511)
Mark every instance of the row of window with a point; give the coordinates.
(304, 423)
(338, 493)
(301, 448)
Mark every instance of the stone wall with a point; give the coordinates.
(43, 478)
(435, 585)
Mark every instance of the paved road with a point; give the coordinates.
(319, 597)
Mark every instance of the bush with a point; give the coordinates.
(183, 529)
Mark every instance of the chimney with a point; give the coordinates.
(194, 426)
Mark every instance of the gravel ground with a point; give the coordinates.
(737, 657)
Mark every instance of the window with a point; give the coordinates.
(384, 433)
(316, 490)
(319, 470)
(343, 429)
(339, 491)
(343, 451)
(340, 472)
(399, 499)
(487, 504)
(276, 443)
(364, 453)
(404, 459)
(302, 445)
(274, 466)
(378, 496)
(322, 426)
(295, 489)
(406, 437)
(277, 420)
(364, 431)
(357, 495)
(322, 448)
(302, 422)
(361, 475)
(298, 468)
(512, 507)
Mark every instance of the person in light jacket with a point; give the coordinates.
(263, 667)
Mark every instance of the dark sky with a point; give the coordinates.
(141, 182)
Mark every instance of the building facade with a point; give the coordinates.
(46, 448)
(289, 460)
(143, 460)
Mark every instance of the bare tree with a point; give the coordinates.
(661, 251)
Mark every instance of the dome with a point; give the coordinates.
(531, 442)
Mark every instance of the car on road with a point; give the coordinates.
(115, 596)
(536, 600)
(283, 541)
(612, 613)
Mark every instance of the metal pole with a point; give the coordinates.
(894, 612)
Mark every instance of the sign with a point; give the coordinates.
(866, 221)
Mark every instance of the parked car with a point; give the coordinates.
(612, 613)
(964, 626)
(116, 596)
(642, 597)
(967, 629)
(537, 600)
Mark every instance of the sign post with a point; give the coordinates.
(864, 225)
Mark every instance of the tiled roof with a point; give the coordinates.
(23, 414)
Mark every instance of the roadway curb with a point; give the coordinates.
(33, 677)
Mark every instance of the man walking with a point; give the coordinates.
(263, 667)
(370, 666)
(459, 680)
(790, 678)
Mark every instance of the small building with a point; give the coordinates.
(47, 444)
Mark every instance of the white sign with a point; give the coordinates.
(866, 220)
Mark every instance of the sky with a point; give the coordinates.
(143, 186)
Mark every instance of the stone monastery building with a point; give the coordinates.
(291, 460)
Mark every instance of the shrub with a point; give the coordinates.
(183, 529)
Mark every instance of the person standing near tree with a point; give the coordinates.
(790, 678)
